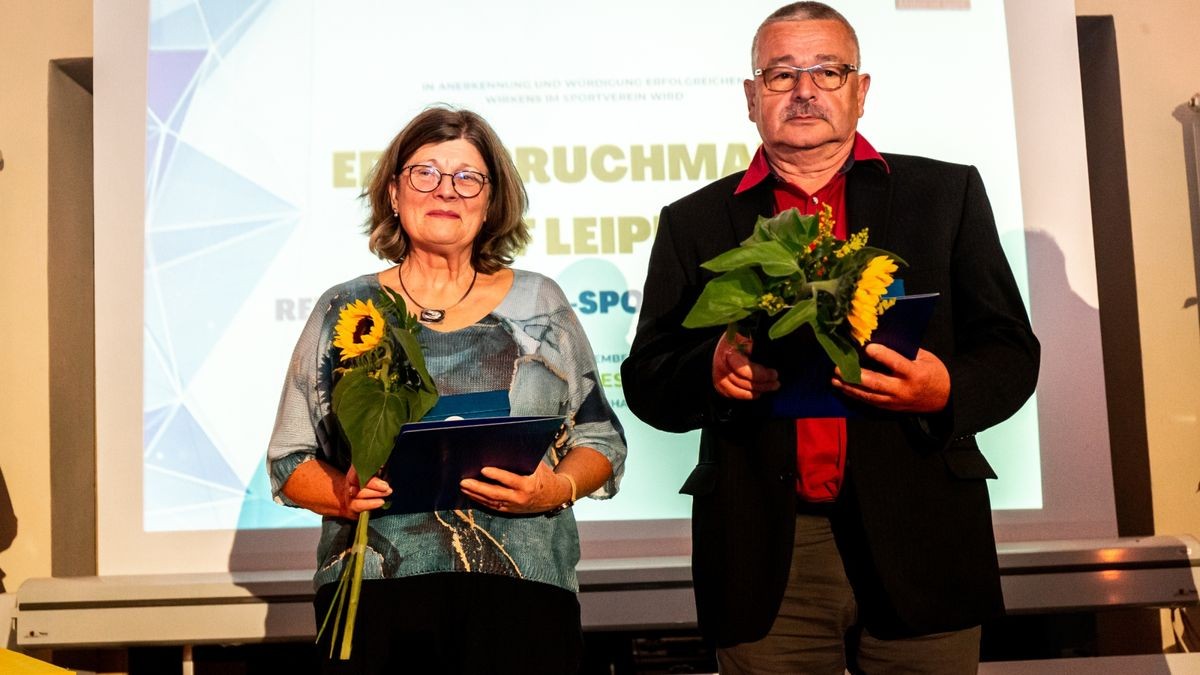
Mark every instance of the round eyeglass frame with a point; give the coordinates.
(454, 179)
(844, 68)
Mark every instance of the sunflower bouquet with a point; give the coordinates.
(382, 384)
(793, 265)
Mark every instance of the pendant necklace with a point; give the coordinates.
(429, 314)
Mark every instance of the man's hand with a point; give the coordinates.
(734, 376)
(921, 385)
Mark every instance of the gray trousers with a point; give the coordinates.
(819, 618)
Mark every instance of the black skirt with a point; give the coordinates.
(458, 622)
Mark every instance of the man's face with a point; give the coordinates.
(806, 118)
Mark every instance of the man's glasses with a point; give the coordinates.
(826, 76)
(425, 178)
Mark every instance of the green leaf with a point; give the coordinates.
(873, 252)
(774, 258)
(372, 410)
(371, 418)
(789, 228)
(425, 396)
(803, 232)
(765, 229)
(729, 297)
(392, 305)
(868, 252)
(842, 353)
(404, 330)
(803, 312)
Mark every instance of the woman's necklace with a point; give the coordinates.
(429, 314)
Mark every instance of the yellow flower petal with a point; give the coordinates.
(873, 283)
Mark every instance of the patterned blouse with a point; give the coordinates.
(531, 345)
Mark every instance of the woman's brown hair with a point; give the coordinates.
(504, 231)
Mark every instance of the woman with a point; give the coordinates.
(478, 590)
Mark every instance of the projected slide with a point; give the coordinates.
(262, 119)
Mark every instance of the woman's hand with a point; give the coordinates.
(508, 492)
(323, 489)
(354, 500)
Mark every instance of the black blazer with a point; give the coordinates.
(913, 521)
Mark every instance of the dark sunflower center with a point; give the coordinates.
(364, 326)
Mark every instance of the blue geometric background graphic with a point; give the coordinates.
(210, 234)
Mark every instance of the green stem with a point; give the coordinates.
(829, 286)
(360, 547)
(731, 333)
(385, 366)
(334, 611)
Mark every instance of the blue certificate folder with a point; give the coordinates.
(805, 390)
(431, 457)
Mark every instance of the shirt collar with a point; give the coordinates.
(760, 168)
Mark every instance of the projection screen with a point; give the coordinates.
(232, 141)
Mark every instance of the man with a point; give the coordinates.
(802, 564)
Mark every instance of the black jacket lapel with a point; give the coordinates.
(868, 201)
(745, 208)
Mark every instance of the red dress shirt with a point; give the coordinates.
(821, 441)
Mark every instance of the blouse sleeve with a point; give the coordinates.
(595, 424)
(301, 404)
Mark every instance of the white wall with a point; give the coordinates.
(32, 32)
(1160, 70)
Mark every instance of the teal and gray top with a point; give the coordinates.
(532, 345)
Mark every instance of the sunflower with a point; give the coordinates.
(359, 329)
(864, 307)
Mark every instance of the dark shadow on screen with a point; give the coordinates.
(1068, 418)
(1062, 320)
(273, 556)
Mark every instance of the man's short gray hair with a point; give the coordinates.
(803, 11)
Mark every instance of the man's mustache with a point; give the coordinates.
(804, 109)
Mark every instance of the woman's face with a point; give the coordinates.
(442, 221)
